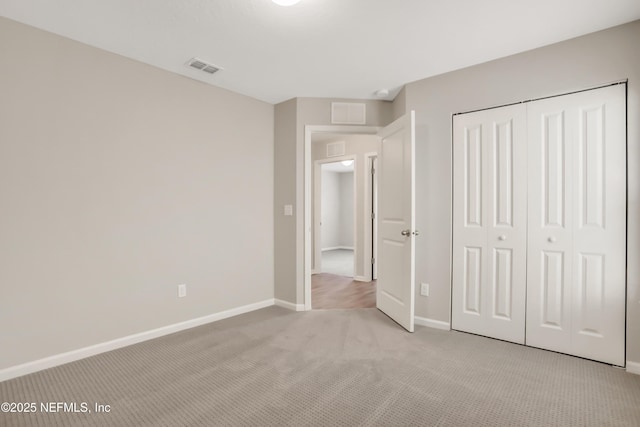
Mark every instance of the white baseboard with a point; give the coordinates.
(289, 305)
(333, 248)
(360, 279)
(436, 324)
(633, 368)
(81, 353)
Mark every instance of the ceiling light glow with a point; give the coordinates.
(285, 2)
(347, 162)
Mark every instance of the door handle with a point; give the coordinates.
(416, 233)
(502, 237)
(551, 239)
(406, 232)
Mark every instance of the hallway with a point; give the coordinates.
(331, 291)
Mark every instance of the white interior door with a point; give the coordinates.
(396, 221)
(577, 224)
(490, 223)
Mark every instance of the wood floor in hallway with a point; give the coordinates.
(332, 291)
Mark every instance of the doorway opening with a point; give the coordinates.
(339, 220)
(335, 241)
(395, 266)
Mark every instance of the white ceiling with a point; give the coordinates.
(319, 48)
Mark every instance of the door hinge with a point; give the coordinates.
(373, 170)
(373, 260)
(373, 215)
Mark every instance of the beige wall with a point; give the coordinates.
(285, 194)
(576, 64)
(400, 104)
(289, 188)
(118, 182)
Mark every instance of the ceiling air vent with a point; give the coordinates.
(348, 113)
(201, 65)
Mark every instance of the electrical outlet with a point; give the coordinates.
(182, 290)
(424, 289)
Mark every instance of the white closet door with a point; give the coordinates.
(550, 240)
(577, 224)
(489, 236)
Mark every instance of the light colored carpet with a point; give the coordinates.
(275, 367)
(338, 261)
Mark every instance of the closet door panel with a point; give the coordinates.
(473, 180)
(489, 236)
(577, 216)
(553, 313)
(507, 228)
(469, 223)
(600, 225)
(549, 222)
(472, 281)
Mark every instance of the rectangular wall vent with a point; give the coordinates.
(336, 149)
(201, 65)
(348, 113)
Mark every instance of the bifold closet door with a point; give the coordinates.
(489, 216)
(577, 224)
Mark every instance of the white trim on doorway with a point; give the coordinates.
(306, 235)
(369, 235)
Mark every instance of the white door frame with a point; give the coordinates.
(370, 207)
(308, 169)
